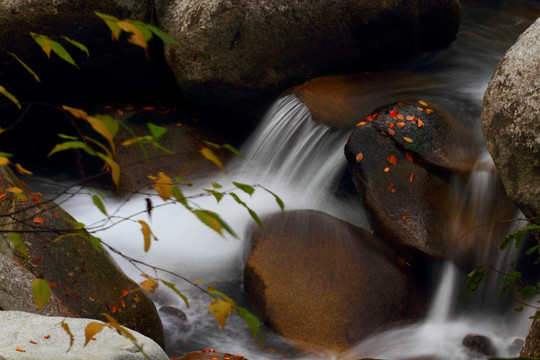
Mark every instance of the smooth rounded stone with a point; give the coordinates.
(325, 284)
(479, 344)
(510, 113)
(236, 52)
(30, 336)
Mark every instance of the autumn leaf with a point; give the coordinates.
(26, 67)
(407, 139)
(163, 186)
(361, 123)
(409, 156)
(22, 170)
(429, 111)
(173, 288)
(411, 178)
(112, 322)
(423, 103)
(91, 330)
(4, 161)
(44, 42)
(18, 242)
(391, 132)
(210, 155)
(392, 160)
(137, 37)
(221, 311)
(148, 235)
(78, 45)
(10, 96)
(410, 117)
(66, 328)
(115, 168)
(149, 284)
(400, 124)
(359, 157)
(420, 123)
(393, 112)
(41, 291)
(38, 220)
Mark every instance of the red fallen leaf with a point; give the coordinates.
(114, 309)
(51, 284)
(120, 112)
(16, 262)
(383, 133)
(369, 118)
(392, 160)
(2, 196)
(400, 116)
(393, 112)
(123, 303)
(401, 103)
(429, 111)
(403, 217)
(419, 108)
(125, 292)
(359, 157)
(410, 117)
(19, 349)
(38, 220)
(391, 187)
(375, 116)
(47, 336)
(37, 261)
(409, 156)
(400, 124)
(391, 132)
(0, 177)
(420, 123)
(392, 125)
(148, 108)
(33, 342)
(386, 169)
(411, 178)
(56, 215)
(361, 123)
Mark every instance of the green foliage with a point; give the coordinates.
(474, 278)
(41, 291)
(19, 244)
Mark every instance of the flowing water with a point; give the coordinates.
(304, 164)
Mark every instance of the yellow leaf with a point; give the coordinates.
(150, 284)
(163, 185)
(66, 328)
(15, 190)
(22, 170)
(137, 37)
(209, 154)
(98, 125)
(41, 291)
(91, 330)
(221, 310)
(115, 168)
(4, 161)
(147, 233)
(407, 139)
(10, 96)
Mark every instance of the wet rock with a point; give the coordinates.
(344, 287)
(404, 158)
(479, 344)
(32, 336)
(80, 272)
(114, 70)
(208, 355)
(516, 346)
(510, 113)
(225, 60)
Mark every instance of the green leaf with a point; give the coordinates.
(509, 281)
(96, 242)
(253, 322)
(115, 168)
(112, 23)
(215, 222)
(143, 28)
(245, 188)
(59, 50)
(5, 154)
(172, 287)
(18, 242)
(67, 137)
(41, 291)
(474, 278)
(233, 150)
(26, 67)
(44, 42)
(532, 250)
(99, 204)
(528, 291)
(215, 193)
(211, 290)
(110, 123)
(179, 196)
(212, 145)
(68, 145)
(278, 200)
(161, 147)
(156, 131)
(215, 185)
(252, 213)
(10, 96)
(162, 35)
(78, 45)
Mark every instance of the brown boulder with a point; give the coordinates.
(325, 284)
(79, 272)
(208, 355)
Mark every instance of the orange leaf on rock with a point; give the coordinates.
(400, 124)
(361, 123)
(410, 117)
(407, 139)
(391, 132)
(393, 112)
(411, 178)
(420, 123)
(38, 220)
(392, 160)
(429, 111)
(386, 169)
(359, 157)
(422, 103)
(409, 156)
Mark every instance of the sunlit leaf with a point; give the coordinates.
(115, 168)
(18, 242)
(68, 145)
(162, 35)
(10, 96)
(98, 125)
(112, 322)
(277, 198)
(245, 188)
(44, 42)
(215, 193)
(392, 159)
(156, 131)
(4, 161)
(147, 234)
(143, 28)
(67, 137)
(111, 22)
(253, 322)
(209, 154)
(91, 330)
(110, 122)
(137, 37)
(59, 50)
(26, 67)
(66, 328)
(171, 286)
(138, 139)
(150, 284)
(206, 218)
(221, 311)
(22, 170)
(252, 213)
(99, 204)
(78, 45)
(41, 291)
(15, 190)
(163, 186)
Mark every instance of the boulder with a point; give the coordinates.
(238, 55)
(208, 355)
(479, 344)
(30, 336)
(531, 348)
(114, 70)
(78, 269)
(403, 158)
(510, 113)
(345, 286)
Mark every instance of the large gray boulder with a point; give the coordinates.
(30, 336)
(510, 114)
(236, 51)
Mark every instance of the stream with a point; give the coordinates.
(304, 164)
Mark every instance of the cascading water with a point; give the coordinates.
(303, 163)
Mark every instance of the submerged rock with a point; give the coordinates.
(79, 272)
(236, 52)
(325, 284)
(480, 344)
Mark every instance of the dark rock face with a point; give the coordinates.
(115, 69)
(479, 344)
(236, 51)
(86, 279)
(510, 113)
(344, 286)
(403, 158)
